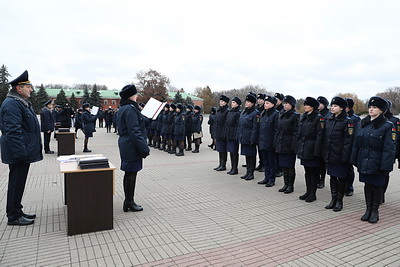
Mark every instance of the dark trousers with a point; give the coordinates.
(46, 141)
(16, 186)
(269, 160)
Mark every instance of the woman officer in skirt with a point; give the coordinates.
(248, 135)
(232, 122)
(285, 139)
(309, 146)
(338, 141)
(373, 154)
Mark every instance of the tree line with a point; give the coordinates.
(151, 83)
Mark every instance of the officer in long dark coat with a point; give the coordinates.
(47, 125)
(309, 146)
(171, 121)
(266, 143)
(164, 128)
(396, 123)
(188, 127)
(88, 121)
(338, 141)
(132, 144)
(197, 122)
(279, 107)
(285, 141)
(356, 120)
(179, 129)
(78, 121)
(324, 111)
(20, 144)
(65, 116)
(248, 135)
(212, 128)
(373, 154)
(220, 133)
(260, 108)
(231, 126)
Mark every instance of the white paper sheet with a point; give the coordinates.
(94, 110)
(152, 108)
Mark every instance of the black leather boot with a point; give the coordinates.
(234, 162)
(291, 178)
(285, 180)
(334, 190)
(180, 153)
(376, 201)
(341, 191)
(220, 161)
(224, 157)
(196, 148)
(307, 180)
(247, 169)
(252, 163)
(313, 186)
(368, 194)
(129, 190)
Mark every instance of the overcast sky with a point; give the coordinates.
(303, 48)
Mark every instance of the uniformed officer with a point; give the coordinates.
(132, 144)
(188, 127)
(232, 124)
(47, 125)
(279, 107)
(338, 141)
(356, 120)
(373, 154)
(266, 142)
(309, 146)
(171, 121)
(211, 122)
(20, 143)
(285, 142)
(164, 128)
(324, 111)
(88, 121)
(248, 135)
(197, 121)
(260, 108)
(179, 129)
(220, 133)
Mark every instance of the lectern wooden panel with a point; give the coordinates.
(89, 198)
(65, 143)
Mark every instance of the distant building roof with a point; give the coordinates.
(107, 93)
(171, 95)
(79, 92)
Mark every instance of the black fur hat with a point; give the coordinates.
(197, 108)
(173, 106)
(378, 102)
(323, 100)
(271, 99)
(251, 98)
(128, 91)
(224, 98)
(237, 100)
(350, 102)
(340, 101)
(279, 96)
(291, 100)
(312, 102)
(261, 96)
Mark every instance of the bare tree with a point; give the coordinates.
(151, 83)
(393, 95)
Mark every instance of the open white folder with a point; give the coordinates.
(152, 108)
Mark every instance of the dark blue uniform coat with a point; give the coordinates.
(88, 121)
(132, 132)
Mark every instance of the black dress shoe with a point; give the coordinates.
(29, 216)
(263, 181)
(87, 150)
(21, 221)
(270, 184)
(49, 152)
(131, 207)
(349, 193)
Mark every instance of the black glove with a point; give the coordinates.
(144, 155)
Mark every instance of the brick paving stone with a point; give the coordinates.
(196, 216)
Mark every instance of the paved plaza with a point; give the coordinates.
(195, 216)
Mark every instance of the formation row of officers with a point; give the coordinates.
(325, 141)
(176, 127)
